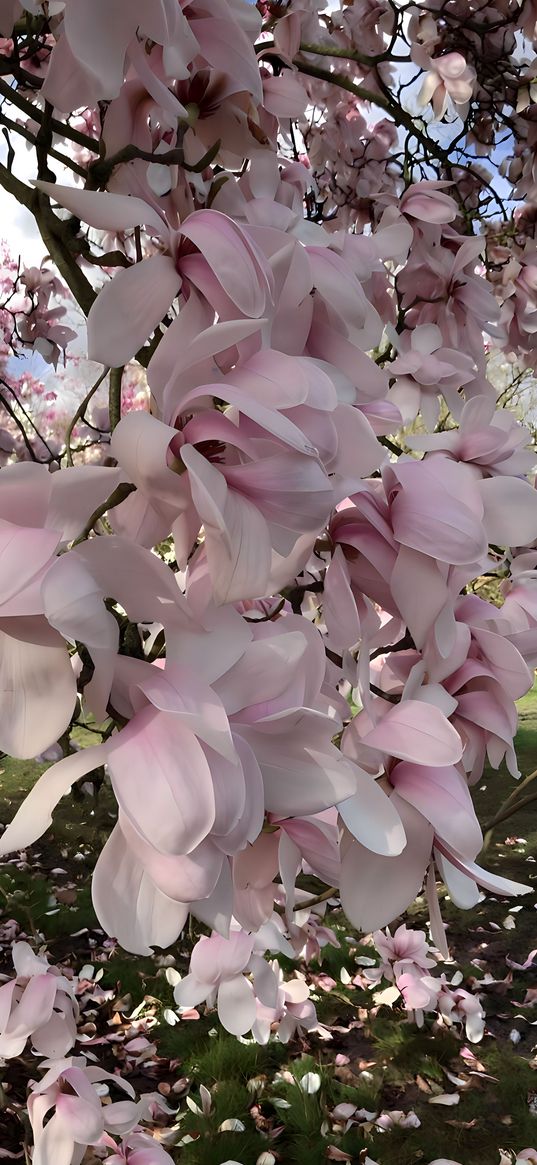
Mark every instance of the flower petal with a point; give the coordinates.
(236, 1005)
(129, 308)
(37, 686)
(418, 732)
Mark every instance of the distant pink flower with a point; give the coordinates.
(289, 1011)
(450, 77)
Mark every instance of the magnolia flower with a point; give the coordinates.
(66, 1113)
(423, 369)
(88, 60)
(491, 439)
(426, 202)
(458, 1006)
(207, 249)
(216, 972)
(404, 944)
(136, 1149)
(450, 77)
(38, 1004)
(39, 511)
(290, 1010)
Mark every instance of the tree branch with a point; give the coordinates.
(118, 495)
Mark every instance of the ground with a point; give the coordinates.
(375, 1060)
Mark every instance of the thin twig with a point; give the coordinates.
(80, 413)
(118, 495)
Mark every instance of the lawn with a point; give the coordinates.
(375, 1060)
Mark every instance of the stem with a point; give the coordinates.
(114, 397)
(80, 413)
(59, 127)
(55, 232)
(507, 811)
(326, 894)
(118, 495)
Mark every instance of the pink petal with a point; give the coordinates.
(300, 744)
(76, 493)
(463, 891)
(284, 96)
(438, 510)
(418, 732)
(510, 511)
(319, 845)
(140, 581)
(24, 553)
(105, 60)
(35, 813)
(128, 904)
(129, 308)
(371, 817)
(180, 811)
(236, 1005)
(226, 46)
(443, 797)
(339, 605)
(37, 685)
(33, 1010)
(374, 889)
(492, 882)
(104, 211)
(82, 1117)
(239, 268)
(236, 535)
(25, 490)
(419, 590)
(74, 605)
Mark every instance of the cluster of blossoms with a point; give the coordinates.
(72, 1106)
(65, 1106)
(298, 559)
(263, 590)
(406, 961)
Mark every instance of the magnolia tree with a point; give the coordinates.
(262, 586)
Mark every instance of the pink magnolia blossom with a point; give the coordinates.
(38, 512)
(289, 1010)
(216, 972)
(427, 202)
(100, 72)
(423, 369)
(404, 944)
(458, 1006)
(207, 250)
(135, 1149)
(38, 1004)
(490, 439)
(450, 77)
(242, 750)
(66, 1113)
